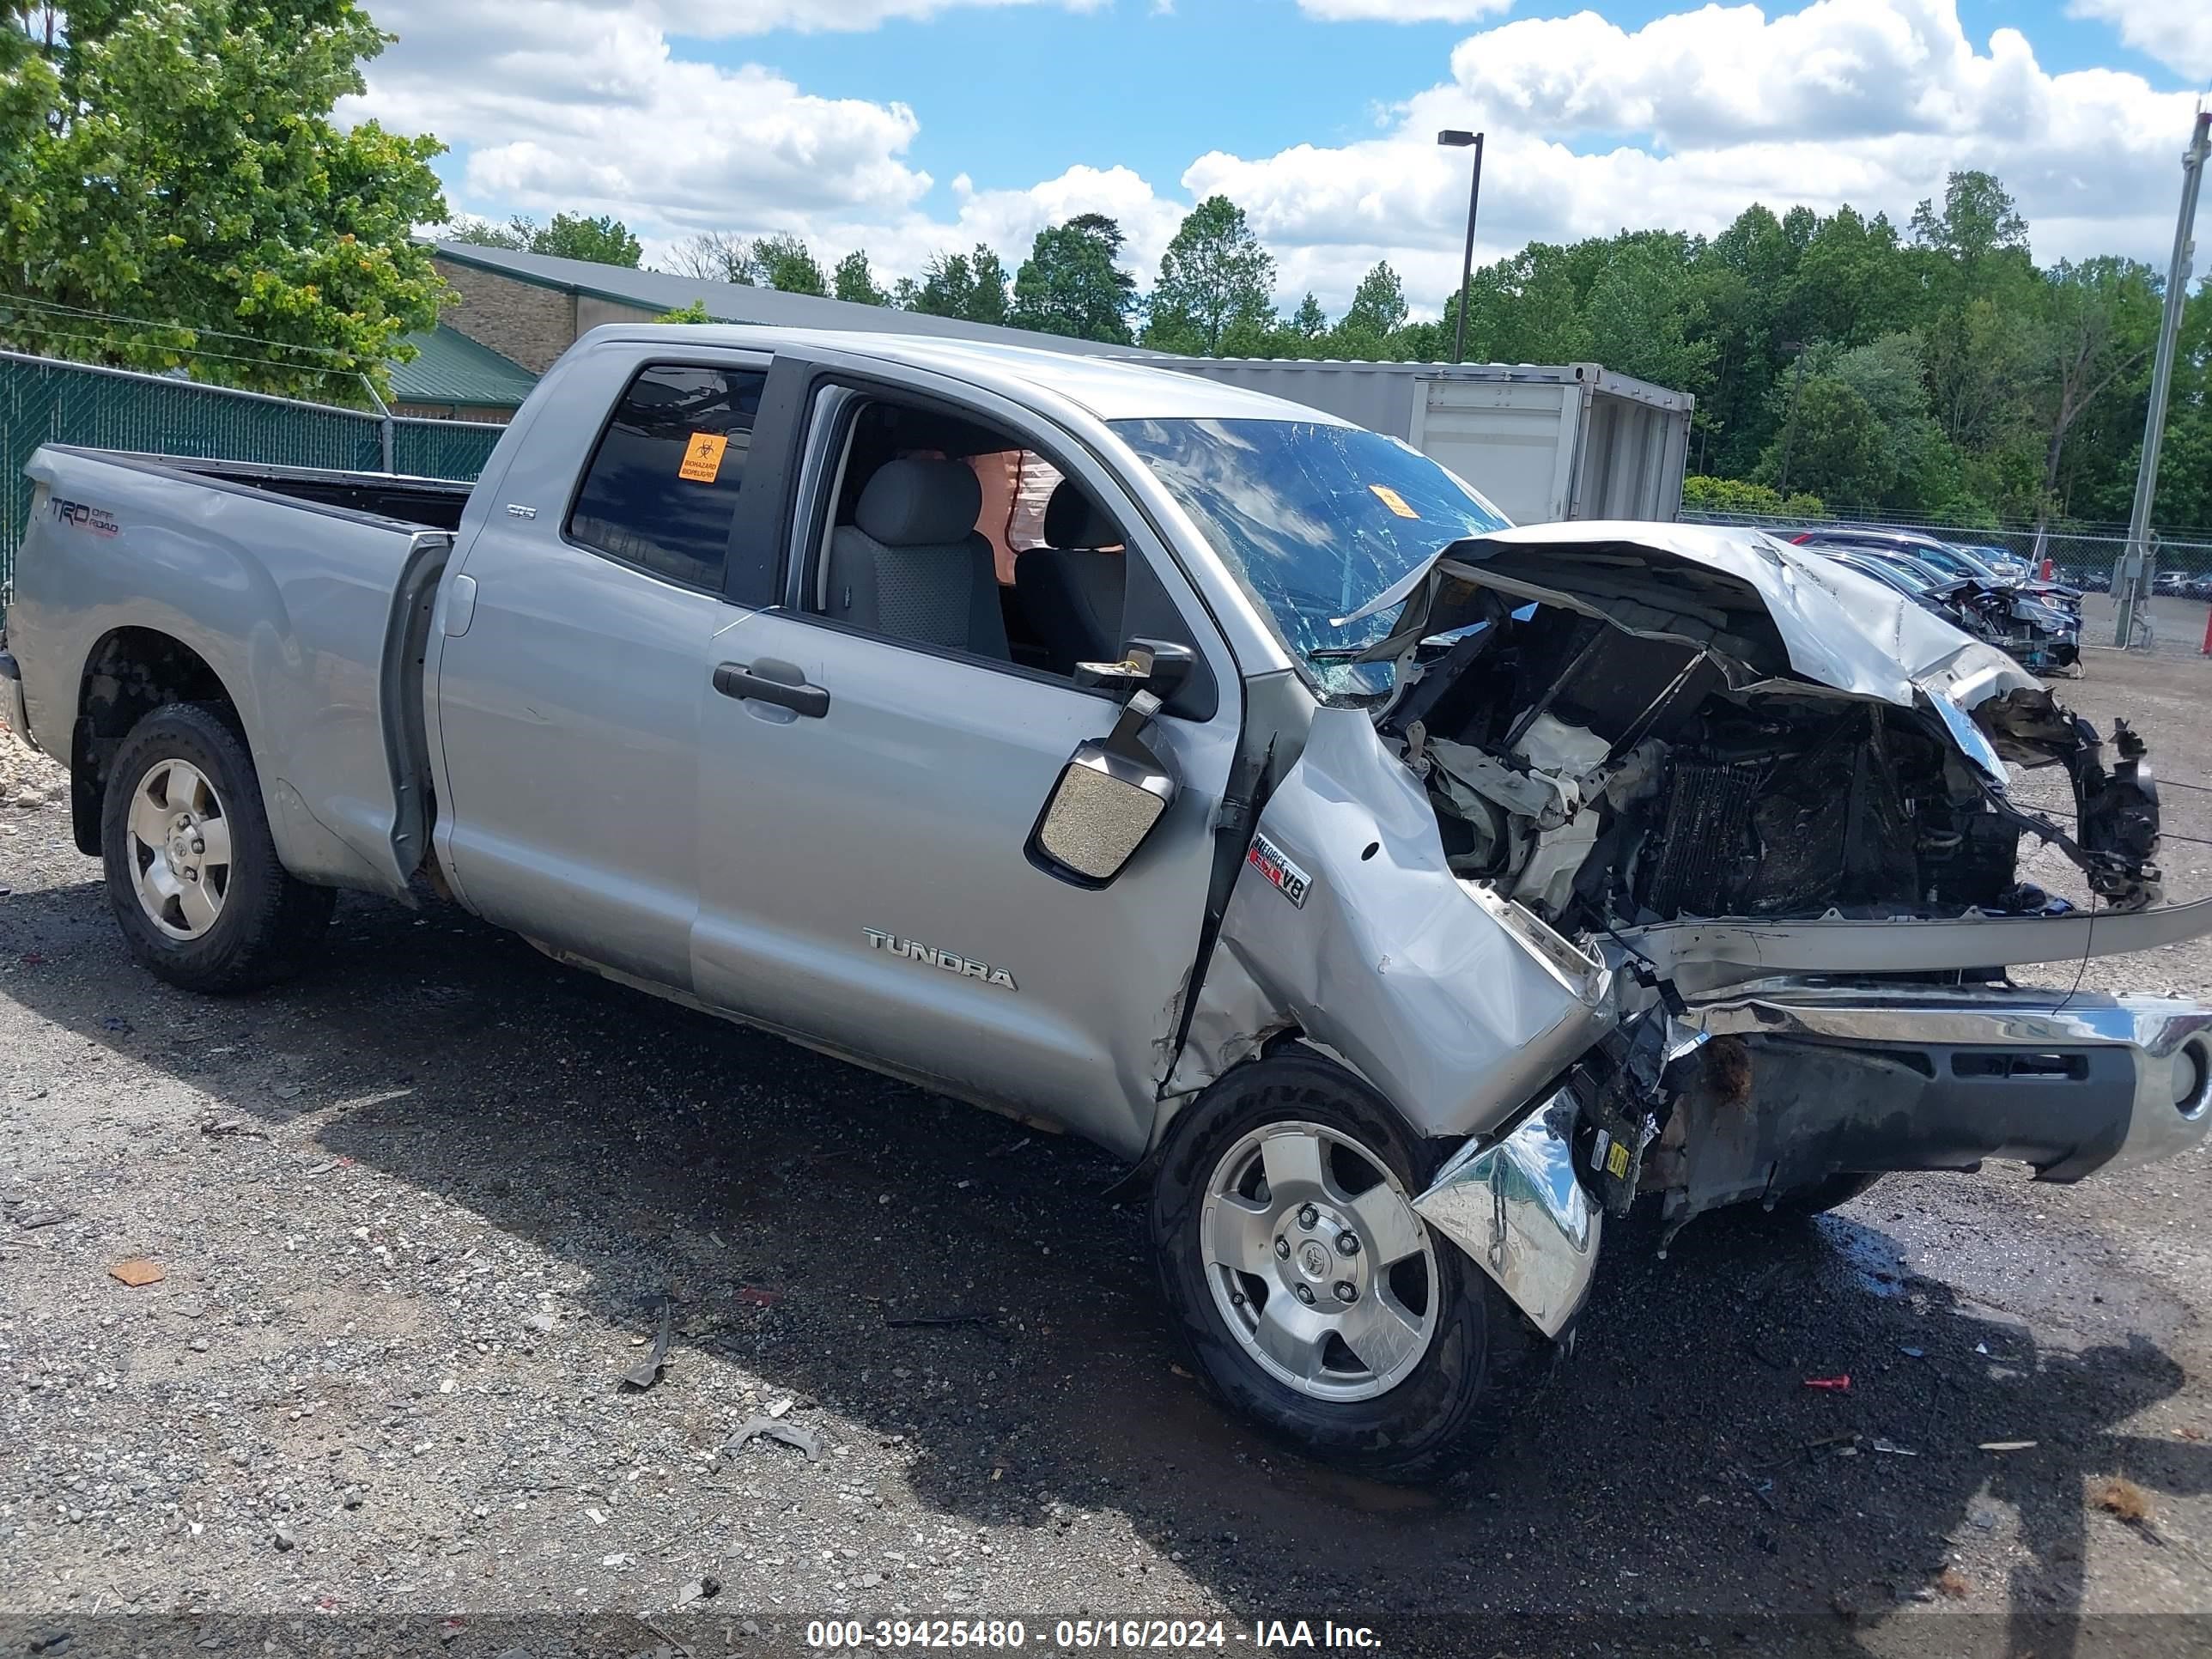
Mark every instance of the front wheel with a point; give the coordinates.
(192, 872)
(1314, 1299)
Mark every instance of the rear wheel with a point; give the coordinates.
(192, 872)
(1314, 1299)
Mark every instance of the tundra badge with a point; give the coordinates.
(966, 967)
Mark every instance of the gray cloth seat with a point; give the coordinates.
(1072, 591)
(911, 565)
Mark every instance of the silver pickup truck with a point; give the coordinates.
(1399, 892)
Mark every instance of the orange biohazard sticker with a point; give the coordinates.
(1391, 498)
(702, 458)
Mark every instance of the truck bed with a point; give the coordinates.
(301, 596)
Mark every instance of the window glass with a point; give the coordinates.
(662, 487)
(1315, 519)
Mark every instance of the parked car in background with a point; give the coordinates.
(1955, 562)
(2001, 560)
(2041, 635)
(2170, 583)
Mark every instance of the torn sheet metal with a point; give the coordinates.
(1764, 608)
(1518, 1210)
(1456, 1003)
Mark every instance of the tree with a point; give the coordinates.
(1071, 284)
(1638, 313)
(988, 304)
(1371, 323)
(1979, 218)
(1834, 443)
(1213, 274)
(693, 313)
(972, 286)
(516, 232)
(715, 256)
(855, 282)
(1308, 321)
(2103, 318)
(177, 164)
(785, 262)
(602, 241)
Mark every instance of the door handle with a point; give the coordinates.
(735, 679)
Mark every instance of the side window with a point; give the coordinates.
(662, 486)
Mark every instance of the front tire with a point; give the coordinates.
(1313, 1299)
(192, 872)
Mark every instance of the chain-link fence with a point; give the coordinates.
(44, 400)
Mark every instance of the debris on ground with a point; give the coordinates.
(646, 1371)
(1895, 1451)
(2122, 1496)
(209, 1126)
(47, 1215)
(701, 1588)
(136, 1272)
(1832, 1384)
(763, 1426)
(1953, 1584)
(2008, 1445)
(926, 1321)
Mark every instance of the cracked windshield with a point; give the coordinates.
(1315, 519)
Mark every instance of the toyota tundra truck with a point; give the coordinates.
(1400, 893)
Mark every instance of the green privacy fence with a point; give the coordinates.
(44, 400)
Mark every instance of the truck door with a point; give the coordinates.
(880, 744)
(568, 685)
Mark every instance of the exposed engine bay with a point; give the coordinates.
(1608, 780)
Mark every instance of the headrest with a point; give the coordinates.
(1071, 519)
(912, 503)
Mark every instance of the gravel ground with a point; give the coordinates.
(415, 1214)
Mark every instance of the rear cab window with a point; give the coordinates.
(661, 488)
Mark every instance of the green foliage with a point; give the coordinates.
(603, 240)
(175, 161)
(972, 286)
(853, 281)
(1071, 284)
(693, 313)
(1835, 444)
(1214, 277)
(1705, 494)
(785, 262)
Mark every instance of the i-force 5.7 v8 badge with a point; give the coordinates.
(966, 967)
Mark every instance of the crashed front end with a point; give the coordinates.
(1680, 861)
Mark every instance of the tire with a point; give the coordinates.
(1413, 1420)
(1832, 1194)
(224, 917)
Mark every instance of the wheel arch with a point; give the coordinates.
(127, 674)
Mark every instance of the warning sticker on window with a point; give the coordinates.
(702, 458)
(1391, 498)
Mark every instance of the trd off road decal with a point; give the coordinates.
(79, 515)
(1282, 875)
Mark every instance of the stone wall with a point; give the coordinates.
(529, 324)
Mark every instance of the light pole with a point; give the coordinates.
(1452, 138)
(1789, 421)
(2132, 577)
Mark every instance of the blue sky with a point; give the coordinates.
(908, 127)
(1008, 95)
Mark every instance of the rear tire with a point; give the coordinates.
(192, 872)
(1437, 1344)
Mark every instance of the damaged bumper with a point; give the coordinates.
(1907, 1078)
(1517, 1209)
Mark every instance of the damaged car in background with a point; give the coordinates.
(2039, 624)
(1400, 894)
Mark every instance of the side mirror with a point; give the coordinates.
(1110, 794)
(1159, 666)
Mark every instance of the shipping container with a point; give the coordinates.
(1543, 442)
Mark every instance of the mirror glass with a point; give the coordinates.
(1096, 821)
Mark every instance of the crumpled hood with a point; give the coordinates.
(1766, 609)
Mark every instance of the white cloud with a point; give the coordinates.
(1593, 127)
(1403, 11)
(2175, 32)
(572, 104)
